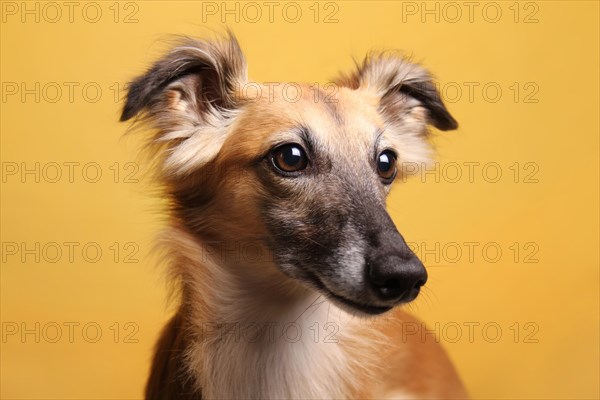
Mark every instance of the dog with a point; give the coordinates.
(279, 240)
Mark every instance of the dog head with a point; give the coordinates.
(301, 171)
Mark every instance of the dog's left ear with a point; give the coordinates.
(401, 85)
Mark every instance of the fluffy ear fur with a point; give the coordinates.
(401, 85)
(189, 97)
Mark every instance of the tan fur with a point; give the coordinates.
(210, 139)
(370, 361)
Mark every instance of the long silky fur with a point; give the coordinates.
(190, 99)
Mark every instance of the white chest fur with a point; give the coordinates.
(305, 355)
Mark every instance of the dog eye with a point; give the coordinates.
(289, 158)
(386, 165)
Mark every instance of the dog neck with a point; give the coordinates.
(266, 337)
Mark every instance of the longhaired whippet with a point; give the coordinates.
(279, 238)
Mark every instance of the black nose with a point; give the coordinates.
(395, 278)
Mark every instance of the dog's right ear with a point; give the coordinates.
(189, 96)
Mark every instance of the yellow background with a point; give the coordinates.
(558, 55)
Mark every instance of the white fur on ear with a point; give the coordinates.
(399, 82)
(195, 130)
(189, 98)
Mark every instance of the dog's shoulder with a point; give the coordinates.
(169, 378)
